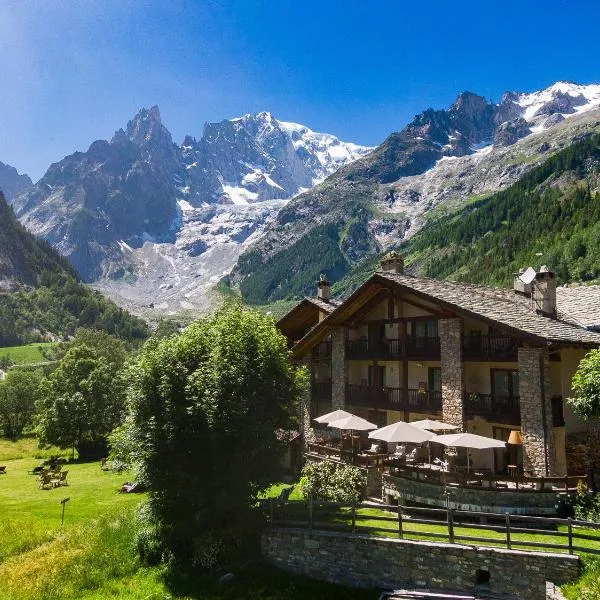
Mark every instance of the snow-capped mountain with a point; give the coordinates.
(156, 220)
(256, 157)
(443, 157)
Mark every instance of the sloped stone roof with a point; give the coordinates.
(327, 307)
(501, 306)
(579, 305)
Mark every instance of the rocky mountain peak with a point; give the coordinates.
(146, 127)
(12, 182)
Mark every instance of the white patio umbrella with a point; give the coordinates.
(336, 415)
(431, 425)
(353, 423)
(402, 432)
(468, 441)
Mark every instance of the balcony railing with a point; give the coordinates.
(486, 347)
(500, 409)
(393, 398)
(322, 350)
(321, 390)
(393, 349)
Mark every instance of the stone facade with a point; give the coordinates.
(450, 332)
(370, 562)
(539, 458)
(339, 368)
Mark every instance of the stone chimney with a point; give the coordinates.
(393, 263)
(544, 292)
(323, 289)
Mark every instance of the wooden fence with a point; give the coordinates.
(400, 522)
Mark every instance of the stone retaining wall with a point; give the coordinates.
(460, 498)
(384, 563)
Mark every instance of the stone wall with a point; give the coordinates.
(338, 368)
(536, 413)
(450, 332)
(385, 563)
(473, 499)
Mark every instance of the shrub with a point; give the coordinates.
(336, 483)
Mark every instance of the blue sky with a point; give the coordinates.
(74, 71)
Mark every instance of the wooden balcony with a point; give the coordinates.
(411, 347)
(485, 347)
(499, 409)
(321, 390)
(322, 351)
(392, 398)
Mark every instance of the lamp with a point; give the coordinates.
(515, 437)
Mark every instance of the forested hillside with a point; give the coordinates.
(43, 298)
(23, 257)
(550, 216)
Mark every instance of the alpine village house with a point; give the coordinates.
(487, 360)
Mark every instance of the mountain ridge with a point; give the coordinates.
(440, 157)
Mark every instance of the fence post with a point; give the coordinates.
(353, 516)
(508, 544)
(570, 526)
(310, 513)
(451, 525)
(400, 524)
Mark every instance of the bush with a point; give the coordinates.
(335, 483)
(584, 506)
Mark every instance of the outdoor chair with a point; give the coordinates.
(2, 470)
(36, 470)
(45, 481)
(61, 479)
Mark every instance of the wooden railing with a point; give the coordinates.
(485, 347)
(322, 350)
(394, 349)
(346, 454)
(441, 525)
(392, 398)
(475, 479)
(501, 409)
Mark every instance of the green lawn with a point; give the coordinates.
(93, 556)
(27, 447)
(25, 355)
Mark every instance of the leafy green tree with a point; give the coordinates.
(206, 406)
(81, 401)
(586, 387)
(17, 400)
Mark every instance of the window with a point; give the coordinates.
(505, 382)
(425, 329)
(435, 379)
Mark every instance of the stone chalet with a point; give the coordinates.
(485, 359)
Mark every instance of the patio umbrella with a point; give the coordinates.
(353, 423)
(469, 441)
(434, 425)
(333, 416)
(402, 432)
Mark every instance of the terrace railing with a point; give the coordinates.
(500, 409)
(394, 349)
(393, 398)
(451, 526)
(490, 347)
(322, 350)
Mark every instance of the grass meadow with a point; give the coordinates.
(26, 355)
